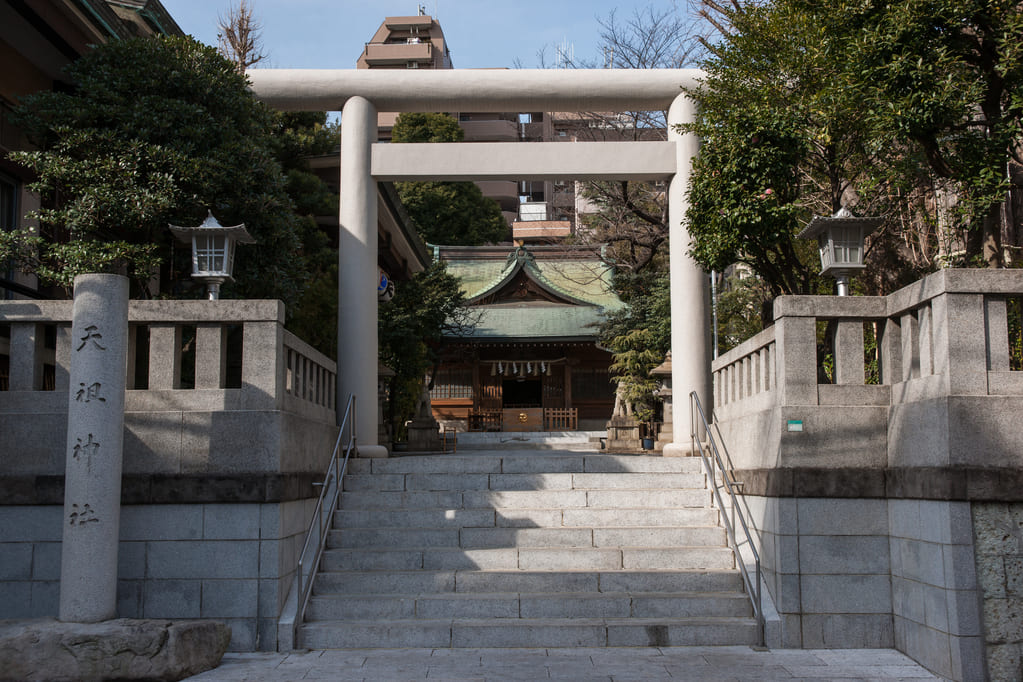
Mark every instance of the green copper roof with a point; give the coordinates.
(587, 281)
(532, 322)
(580, 285)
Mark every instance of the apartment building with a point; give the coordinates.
(418, 42)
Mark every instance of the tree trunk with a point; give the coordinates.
(992, 236)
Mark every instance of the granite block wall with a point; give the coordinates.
(230, 562)
(998, 533)
(826, 564)
(934, 587)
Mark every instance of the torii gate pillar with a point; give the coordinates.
(690, 308)
(357, 274)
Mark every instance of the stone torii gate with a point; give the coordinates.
(360, 94)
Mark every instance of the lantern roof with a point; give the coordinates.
(842, 218)
(663, 369)
(238, 232)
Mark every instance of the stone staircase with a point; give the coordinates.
(526, 549)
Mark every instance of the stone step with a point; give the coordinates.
(525, 464)
(525, 499)
(524, 558)
(340, 556)
(529, 605)
(534, 481)
(512, 538)
(374, 499)
(533, 633)
(527, 550)
(482, 538)
(549, 517)
(412, 582)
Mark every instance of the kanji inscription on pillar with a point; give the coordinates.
(87, 394)
(81, 515)
(95, 443)
(84, 450)
(92, 336)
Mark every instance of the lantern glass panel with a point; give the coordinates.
(210, 252)
(824, 246)
(848, 245)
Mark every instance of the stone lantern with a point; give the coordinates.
(840, 241)
(213, 251)
(384, 375)
(663, 374)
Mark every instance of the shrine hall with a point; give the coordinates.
(532, 362)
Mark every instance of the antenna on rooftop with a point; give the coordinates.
(565, 55)
(422, 10)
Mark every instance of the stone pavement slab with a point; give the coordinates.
(698, 664)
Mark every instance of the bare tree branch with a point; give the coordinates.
(240, 36)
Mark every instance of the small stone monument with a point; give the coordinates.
(623, 427)
(95, 444)
(424, 430)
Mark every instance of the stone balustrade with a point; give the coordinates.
(191, 358)
(944, 336)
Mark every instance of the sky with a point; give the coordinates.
(330, 34)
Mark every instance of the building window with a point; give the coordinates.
(8, 203)
(8, 221)
(452, 383)
(591, 383)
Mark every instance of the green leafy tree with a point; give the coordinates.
(908, 110)
(639, 336)
(411, 328)
(782, 140)
(740, 307)
(943, 80)
(298, 136)
(453, 213)
(157, 131)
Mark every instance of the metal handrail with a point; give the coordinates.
(331, 493)
(752, 589)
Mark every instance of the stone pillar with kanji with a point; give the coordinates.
(95, 444)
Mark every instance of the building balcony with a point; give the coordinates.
(504, 192)
(530, 211)
(419, 21)
(391, 54)
(490, 131)
(532, 230)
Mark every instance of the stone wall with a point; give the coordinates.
(998, 533)
(217, 489)
(861, 494)
(231, 562)
(826, 566)
(935, 601)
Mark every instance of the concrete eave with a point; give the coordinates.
(401, 236)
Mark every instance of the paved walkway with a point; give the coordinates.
(720, 664)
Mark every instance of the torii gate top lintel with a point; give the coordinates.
(476, 90)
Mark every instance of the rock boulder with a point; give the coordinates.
(122, 649)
